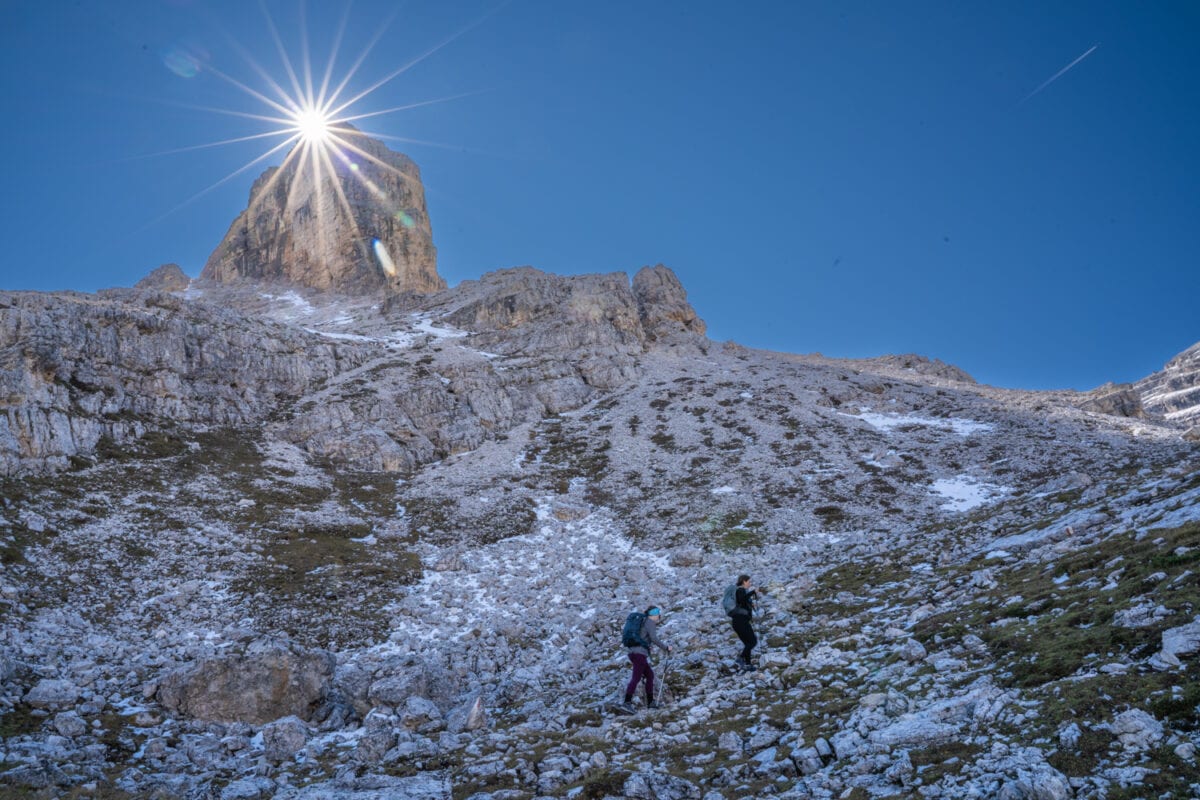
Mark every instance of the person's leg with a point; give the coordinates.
(640, 665)
(750, 641)
(649, 683)
(741, 626)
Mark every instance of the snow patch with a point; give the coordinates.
(300, 306)
(964, 493)
(889, 422)
(424, 324)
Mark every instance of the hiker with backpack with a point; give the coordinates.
(739, 603)
(640, 635)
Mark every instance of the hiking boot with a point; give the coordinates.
(652, 704)
(629, 701)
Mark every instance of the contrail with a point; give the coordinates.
(1060, 73)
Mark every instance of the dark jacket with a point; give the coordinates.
(745, 602)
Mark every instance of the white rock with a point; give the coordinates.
(914, 732)
(912, 651)
(1181, 641)
(1068, 736)
(846, 743)
(1042, 782)
(1137, 730)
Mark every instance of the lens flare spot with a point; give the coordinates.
(183, 60)
(385, 258)
(405, 219)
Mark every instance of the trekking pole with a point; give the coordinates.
(660, 687)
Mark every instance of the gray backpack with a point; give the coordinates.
(729, 601)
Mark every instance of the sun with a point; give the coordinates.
(313, 125)
(313, 115)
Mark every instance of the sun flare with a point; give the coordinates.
(314, 116)
(313, 125)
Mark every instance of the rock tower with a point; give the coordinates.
(350, 218)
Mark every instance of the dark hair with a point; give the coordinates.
(742, 579)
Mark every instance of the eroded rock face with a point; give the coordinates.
(270, 680)
(1120, 400)
(663, 307)
(1175, 391)
(76, 369)
(355, 228)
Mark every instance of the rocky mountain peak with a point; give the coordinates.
(663, 305)
(351, 221)
(167, 278)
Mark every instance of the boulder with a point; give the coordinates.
(418, 712)
(471, 716)
(1042, 782)
(271, 679)
(52, 695)
(283, 738)
(1183, 640)
(652, 786)
(70, 724)
(249, 789)
(394, 690)
(911, 651)
(914, 732)
(1137, 730)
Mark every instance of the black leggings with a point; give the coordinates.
(745, 632)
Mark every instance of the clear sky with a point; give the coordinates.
(838, 177)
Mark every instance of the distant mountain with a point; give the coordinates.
(352, 220)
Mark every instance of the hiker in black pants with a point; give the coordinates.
(741, 616)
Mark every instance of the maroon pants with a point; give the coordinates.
(641, 669)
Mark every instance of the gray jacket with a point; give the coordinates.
(650, 634)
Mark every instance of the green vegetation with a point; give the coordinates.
(732, 531)
(1051, 626)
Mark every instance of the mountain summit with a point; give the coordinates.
(348, 218)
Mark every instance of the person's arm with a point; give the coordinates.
(651, 632)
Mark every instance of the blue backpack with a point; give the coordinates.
(631, 634)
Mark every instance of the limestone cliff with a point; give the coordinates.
(353, 222)
(1174, 392)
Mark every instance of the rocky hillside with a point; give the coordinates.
(263, 541)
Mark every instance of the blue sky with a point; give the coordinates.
(845, 178)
